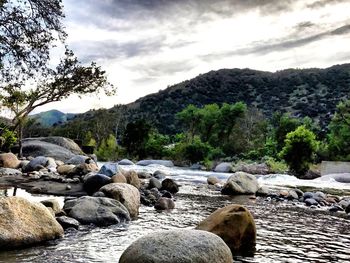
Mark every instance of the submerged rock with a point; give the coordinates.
(68, 222)
(235, 225)
(24, 223)
(175, 246)
(240, 183)
(101, 211)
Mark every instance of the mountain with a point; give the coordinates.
(52, 117)
(302, 92)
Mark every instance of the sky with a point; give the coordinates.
(148, 45)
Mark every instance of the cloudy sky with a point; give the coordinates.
(147, 45)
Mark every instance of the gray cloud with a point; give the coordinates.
(323, 3)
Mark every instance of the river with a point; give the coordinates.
(286, 231)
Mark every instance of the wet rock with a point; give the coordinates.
(170, 185)
(127, 194)
(125, 162)
(164, 203)
(68, 222)
(312, 174)
(212, 180)
(299, 192)
(311, 202)
(119, 178)
(79, 159)
(154, 183)
(101, 211)
(344, 203)
(9, 171)
(224, 168)
(175, 246)
(165, 163)
(292, 195)
(308, 195)
(132, 178)
(335, 208)
(95, 182)
(24, 223)
(9, 160)
(99, 194)
(40, 162)
(240, 183)
(235, 225)
(160, 175)
(347, 209)
(144, 175)
(341, 177)
(167, 194)
(110, 169)
(52, 203)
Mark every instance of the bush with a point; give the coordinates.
(299, 150)
(7, 138)
(109, 149)
(277, 167)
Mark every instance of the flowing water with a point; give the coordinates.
(285, 231)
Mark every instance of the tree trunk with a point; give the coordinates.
(20, 137)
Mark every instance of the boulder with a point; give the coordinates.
(166, 163)
(240, 183)
(94, 182)
(255, 168)
(63, 142)
(144, 175)
(36, 148)
(223, 168)
(110, 169)
(9, 160)
(127, 194)
(154, 183)
(132, 178)
(341, 177)
(101, 211)
(170, 185)
(119, 178)
(65, 169)
(125, 162)
(175, 246)
(53, 204)
(9, 171)
(235, 225)
(85, 168)
(38, 162)
(79, 159)
(24, 223)
(68, 222)
(164, 203)
(263, 191)
(310, 202)
(212, 180)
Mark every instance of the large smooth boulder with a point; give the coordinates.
(24, 223)
(223, 168)
(63, 142)
(101, 211)
(178, 246)
(119, 178)
(133, 179)
(235, 225)
(127, 194)
(166, 163)
(240, 183)
(9, 160)
(39, 162)
(110, 169)
(94, 182)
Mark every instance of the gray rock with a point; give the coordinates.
(9, 171)
(66, 143)
(38, 162)
(240, 183)
(212, 180)
(320, 195)
(292, 195)
(144, 175)
(68, 222)
(164, 203)
(110, 169)
(166, 163)
(335, 208)
(341, 177)
(154, 183)
(79, 159)
(344, 203)
(224, 168)
(125, 162)
(95, 182)
(53, 204)
(101, 211)
(178, 246)
(299, 192)
(263, 191)
(308, 195)
(170, 185)
(310, 202)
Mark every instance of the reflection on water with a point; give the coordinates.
(284, 234)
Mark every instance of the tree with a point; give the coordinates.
(299, 150)
(189, 118)
(28, 30)
(69, 77)
(339, 133)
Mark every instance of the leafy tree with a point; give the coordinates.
(109, 149)
(339, 133)
(299, 150)
(155, 145)
(189, 119)
(7, 138)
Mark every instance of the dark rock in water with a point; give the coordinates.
(144, 175)
(344, 204)
(240, 183)
(347, 209)
(110, 169)
(125, 162)
(311, 174)
(167, 194)
(308, 195)
(310, 202)
(170, 185)
(164, 203)
(299, 192)
(335, 208)
(160, 175)
(68, 222)
(158, 162)
(154, 183)
(95, 182)
(341, 177)
(101, 211)
(178, 246)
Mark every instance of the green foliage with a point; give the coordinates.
(7, 138)
(90, 141)
(339, 133)
(299, 150)
(155, 145)
(275, 166)
(109, 149)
